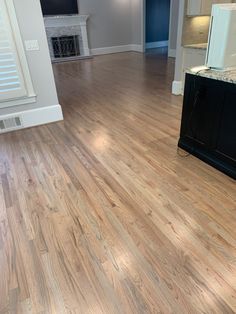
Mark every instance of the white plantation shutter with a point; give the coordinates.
(12, 81)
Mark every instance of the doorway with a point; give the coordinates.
(160, 25)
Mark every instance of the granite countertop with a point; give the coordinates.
(226, 76)
(202, 46)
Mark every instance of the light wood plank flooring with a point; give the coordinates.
(100, 214)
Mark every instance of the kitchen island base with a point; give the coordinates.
(208, 128)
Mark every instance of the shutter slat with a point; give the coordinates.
(12, 83)
(15, 88)
(9, 79)
(6, 60)
(3, 85)
(6, 73)
(7, 66)
(5, 49)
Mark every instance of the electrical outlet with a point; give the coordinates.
(31, 45)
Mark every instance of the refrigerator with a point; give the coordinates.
(221, 50)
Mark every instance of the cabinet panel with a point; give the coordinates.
(206, 7)
(226, 143)
(208, 128)
(224, 1)
(194, 7)
(202, 7)
(201, 111)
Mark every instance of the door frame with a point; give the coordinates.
(143, 24)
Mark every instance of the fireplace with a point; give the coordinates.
(67, 37)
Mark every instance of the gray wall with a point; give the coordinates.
(113, 22)
(110, 22)
(157, 20)
(32, 27)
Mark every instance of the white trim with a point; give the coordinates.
(157, 44)
(20, 48)
(177, 88)
(107, 50)
(39, 116)
(116, 49)
(17, 102)
(87, 52)
(143, 24)
(179, 49)
(65, 20)
(172, 53)
(170, 28)
(137, 48)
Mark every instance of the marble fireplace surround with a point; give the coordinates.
(68, 25)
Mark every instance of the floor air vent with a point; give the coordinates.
(10, 124)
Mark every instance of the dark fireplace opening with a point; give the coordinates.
(66, 46)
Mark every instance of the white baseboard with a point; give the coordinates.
(177, 88)
(137, 48)
(157, 44)
(172, 53)
(108, 50)
(116, 49)
(87, 52)
(34, 117)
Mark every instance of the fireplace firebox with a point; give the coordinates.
(65, 46)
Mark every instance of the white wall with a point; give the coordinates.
(177, 83)
(112, 23)
(137, 22)
(173, 32)
(32, 27)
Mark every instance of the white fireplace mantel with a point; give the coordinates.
(66, 20)
(64, 24)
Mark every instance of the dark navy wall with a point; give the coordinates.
(157, 20)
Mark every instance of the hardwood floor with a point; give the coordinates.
(100, 214)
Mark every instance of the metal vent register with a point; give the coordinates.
(10, 124)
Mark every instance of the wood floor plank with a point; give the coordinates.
(101, 213)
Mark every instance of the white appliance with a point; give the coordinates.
(221, 51)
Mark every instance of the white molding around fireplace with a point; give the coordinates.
(68, 25)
